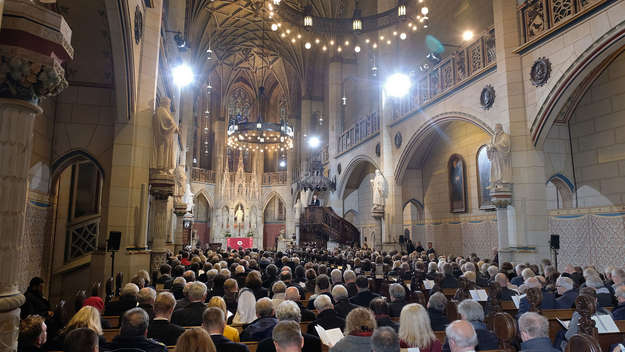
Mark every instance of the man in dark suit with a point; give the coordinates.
(260, 328)
(127, 300)
(287, 337)
(619, 312)
(146, 298)
(132, 334)
(35, 302)
(160, 328)
(165, 279)
(327, 317)
(548, 302)
(567, 293)
(364, 296)
(342, 305)
(505, 294)
(191, 315)
(214, 322)
(437, 306)
(315, 201)
(292, 294)
(473, 312)
(430, 249)
(289, 311)
(449, 280)
(518, 279)
(398, 299)
(534, 330)
(380, 309)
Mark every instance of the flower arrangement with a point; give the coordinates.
(227, 234)
(250, 234)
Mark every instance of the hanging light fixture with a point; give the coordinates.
(401, 9)
(357, 19)
(276, 2)
(308, 19)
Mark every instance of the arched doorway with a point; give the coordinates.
(201, 221)
(356, 194)
(77, 188)
(413, 221)
(274, 217)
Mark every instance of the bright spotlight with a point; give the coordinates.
(398, 85)
(357, 48)
(282, 163)
(314, 142)
(425, 10)
(467, 35)
(307, 45)
(402, 36)
(182, 74)
(274, 27)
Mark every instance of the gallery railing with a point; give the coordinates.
(451, 73)
(274, 178)
(82, 238)
(202, 175)
(540, 18)
(359, 132)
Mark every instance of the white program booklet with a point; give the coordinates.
(479, 295)
(564, 323)
(414, 349)
(229, 314)
(517, 300)
(428, 284)
(329, 337)
(605, 324)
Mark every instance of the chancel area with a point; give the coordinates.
(312, 175)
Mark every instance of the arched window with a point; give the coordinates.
(239, 105)
(483, 178)
(559, 191)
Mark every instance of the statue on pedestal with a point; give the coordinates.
(164, 127)
(181, 179)
(238, 216)
(378, 185)
(500, 162)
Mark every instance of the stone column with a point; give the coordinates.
(36, 73)
(502, 199)
(378, 215)
(162, 187)
(179, 210)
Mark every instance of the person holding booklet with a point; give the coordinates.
(600, 311)
(359, 327)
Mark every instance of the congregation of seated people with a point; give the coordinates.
(231, 300)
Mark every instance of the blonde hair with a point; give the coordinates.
(86, 317)
(218, 302)
(195, 340)
(360, 320)
(414, 326)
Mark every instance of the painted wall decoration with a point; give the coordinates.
(540, 72)
(457, 184)
(487, 97)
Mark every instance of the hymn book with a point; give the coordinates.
(517, 300)
(604, 324)
(329, 337)
(479, 295)
(428, 284)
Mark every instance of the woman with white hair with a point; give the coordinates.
(246, 309)
(415, 330)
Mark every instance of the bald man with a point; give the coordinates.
(461, 336)
(505, 294)
(292, 294)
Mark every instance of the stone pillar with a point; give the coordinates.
(378, 215)
(179, 210)
(162, 187)
(502, 198)
(40, 75)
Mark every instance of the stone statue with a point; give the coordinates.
(164, 127)
(298, 210)
(238, 215)
(379, 191)
(499, 155)
(181, 180)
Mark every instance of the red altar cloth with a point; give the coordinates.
(243, 242)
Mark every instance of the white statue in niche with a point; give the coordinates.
(499, 156)
(164, 128)
(378, 185)
(238, 216)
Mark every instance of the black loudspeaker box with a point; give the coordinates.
(554, 242)
(114, 241)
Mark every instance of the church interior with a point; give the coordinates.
(137, 131)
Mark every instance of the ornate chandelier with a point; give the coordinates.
(259, 135)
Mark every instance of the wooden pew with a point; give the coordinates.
(252, 346)
(113, 320)
(109, 334)
(440, 335)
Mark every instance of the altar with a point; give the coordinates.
(240, 242)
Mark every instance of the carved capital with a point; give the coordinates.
(161, 184)
(501, 195)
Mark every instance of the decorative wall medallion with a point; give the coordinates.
(138, 25)
(487, 97)
(339, 168)
(398, 139)
(541, 70)
(377, 150)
